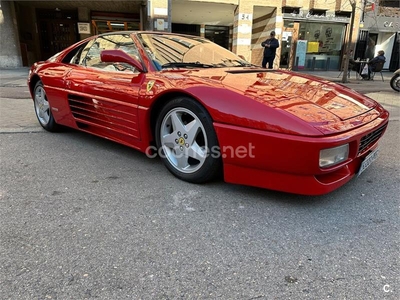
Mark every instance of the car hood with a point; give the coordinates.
(327, 106)
(298, 94)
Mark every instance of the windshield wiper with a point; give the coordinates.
(186, 65)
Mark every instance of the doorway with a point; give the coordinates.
(288, 46)
(218, 35)
(57, 31)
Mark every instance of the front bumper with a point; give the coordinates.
(291, 163)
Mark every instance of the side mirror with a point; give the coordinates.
(113, 56)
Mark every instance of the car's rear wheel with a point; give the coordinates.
(187, 142)
(42, 108)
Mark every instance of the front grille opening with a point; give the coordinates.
(369, 139)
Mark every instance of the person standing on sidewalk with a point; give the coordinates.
(270, 46)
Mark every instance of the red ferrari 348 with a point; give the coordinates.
(206, 112)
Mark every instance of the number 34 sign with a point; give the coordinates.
(247, 17)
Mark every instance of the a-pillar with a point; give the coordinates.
(159, 15)
(241, 39)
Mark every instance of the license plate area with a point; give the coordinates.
(368, 161)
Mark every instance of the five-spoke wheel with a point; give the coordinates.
(42, 108)
(187, 140)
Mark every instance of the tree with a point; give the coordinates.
(349, 42)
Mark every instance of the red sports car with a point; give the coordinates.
(206, 112)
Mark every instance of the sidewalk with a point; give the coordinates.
(15, 77)
(334, 76)
(16, 105)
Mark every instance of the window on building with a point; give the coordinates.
(191, 29)
(290, 10)
(343, 14)
(103, 22)
(318, 12)
(322, 37)
(390, 3)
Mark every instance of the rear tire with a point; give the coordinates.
(43, 109)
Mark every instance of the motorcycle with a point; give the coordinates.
(395, 81)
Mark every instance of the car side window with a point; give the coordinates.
(83, 54)
(111, 42)
(76, 55)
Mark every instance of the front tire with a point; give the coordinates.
(42, 108)
(395, 82)
(185, 135)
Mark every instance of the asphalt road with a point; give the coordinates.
(82, 217)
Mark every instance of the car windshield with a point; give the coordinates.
(181, 51)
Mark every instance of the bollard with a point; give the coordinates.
(328, 62)
(313, 64)
(296, 64)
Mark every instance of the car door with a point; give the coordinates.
(103, 97)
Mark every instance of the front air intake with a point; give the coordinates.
(369, 139)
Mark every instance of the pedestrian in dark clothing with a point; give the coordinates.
(270, 46)
(371, 65)
(380, 58)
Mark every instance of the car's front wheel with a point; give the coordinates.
(187, 142)
(42, 108)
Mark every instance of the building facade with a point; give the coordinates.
(313, 34)
(380, 30)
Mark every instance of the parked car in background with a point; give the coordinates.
(207, 112)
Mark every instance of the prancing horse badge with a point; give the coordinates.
(150, 85)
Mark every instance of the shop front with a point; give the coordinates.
(40, 29)
(381, 33)
(312, 41)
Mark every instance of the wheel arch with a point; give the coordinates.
(200, 169)
(33, 81)
(157, 105)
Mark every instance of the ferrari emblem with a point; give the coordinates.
(181, 141)
(150, 85)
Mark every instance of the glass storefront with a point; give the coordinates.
(319, 45)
